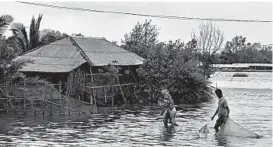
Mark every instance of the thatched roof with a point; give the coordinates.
(63, 56)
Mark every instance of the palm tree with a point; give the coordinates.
(9, 69)
(5, 21)
(35, 37)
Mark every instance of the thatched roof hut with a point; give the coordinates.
(63, 56)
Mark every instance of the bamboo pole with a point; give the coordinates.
(14, 94)
(60, 91)
(50, 106)
(93, 93)
(24, 98)
(113, 101)
(61, 104)
(44, 102)
(34, 107)
(92, 83)
(117, 85)
(124, 99)
(105, 95)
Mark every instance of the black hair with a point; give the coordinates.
(219, 93)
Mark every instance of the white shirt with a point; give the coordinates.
(222, 105)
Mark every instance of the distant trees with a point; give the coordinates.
(142, 38)
(52, 35)
(209, 40)
(239, 51)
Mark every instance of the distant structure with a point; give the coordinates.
(247, 67)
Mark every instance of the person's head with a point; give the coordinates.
(219, 93)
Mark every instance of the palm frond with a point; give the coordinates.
(19, 30)
(38, 22)
(17, 75)
(34, 33)
(17, 64)
(5, 21)
(21, 44)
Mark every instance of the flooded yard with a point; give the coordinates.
(250, 102)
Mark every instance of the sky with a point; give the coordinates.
(114, 26)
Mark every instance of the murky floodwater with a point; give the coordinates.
(250, 101)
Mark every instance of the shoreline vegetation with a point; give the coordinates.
(181, 67)
(240, 75)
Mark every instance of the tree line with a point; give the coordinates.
(238, 50)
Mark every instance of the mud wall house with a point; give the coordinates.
(56, 61)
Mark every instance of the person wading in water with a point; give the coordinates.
(169, 110)
(222, 110)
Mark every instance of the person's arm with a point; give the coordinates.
(228, 110)
(215, 113)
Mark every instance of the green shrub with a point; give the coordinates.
(172, 66)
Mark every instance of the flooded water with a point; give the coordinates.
(250, 102)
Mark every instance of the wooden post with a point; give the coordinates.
(60, 104)
(60, 91)
(60, 86)
(14, 97)
(113, 94)
(96, 108)
(93, 90)
(92, 83)
(44, 102)
(34, 105)
(105, 95)
(51, 101)
(24, 98)
(124, 99)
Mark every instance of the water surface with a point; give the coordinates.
(250, 102)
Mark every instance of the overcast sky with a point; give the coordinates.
(114, 26)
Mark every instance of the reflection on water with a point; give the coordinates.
(168, 133)
(134, 126)
(222, 140)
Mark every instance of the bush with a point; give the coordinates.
(172, 66)
(240, 75)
